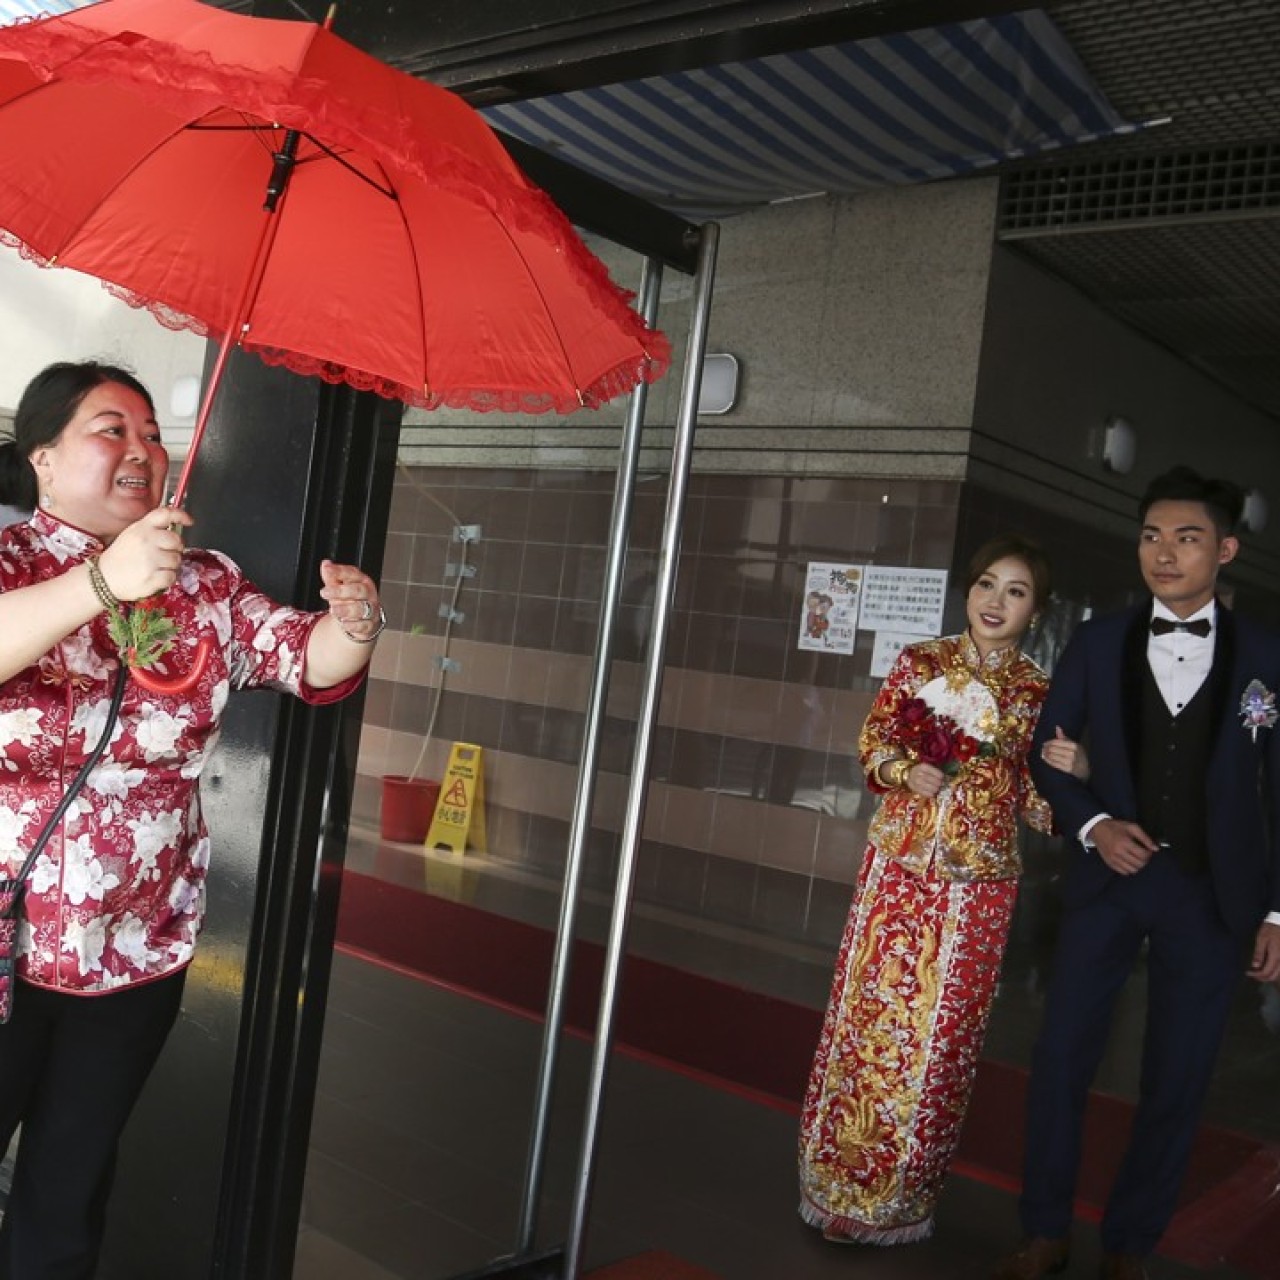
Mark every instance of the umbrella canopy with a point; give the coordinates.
(407, 254)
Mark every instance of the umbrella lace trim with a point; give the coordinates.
(170, 318)
(617, 381)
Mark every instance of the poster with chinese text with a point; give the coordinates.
(906, 600)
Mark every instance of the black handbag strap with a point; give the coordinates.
(113, 714)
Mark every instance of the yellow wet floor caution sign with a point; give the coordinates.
(459, 815)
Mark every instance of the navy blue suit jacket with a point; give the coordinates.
(1095, 695)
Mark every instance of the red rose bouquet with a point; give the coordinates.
(930, 738)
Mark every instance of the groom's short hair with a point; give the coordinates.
(1223, 500)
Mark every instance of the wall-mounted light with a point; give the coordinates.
(1254, 515)
(718, 391)
(184, 396)
(1119, 446)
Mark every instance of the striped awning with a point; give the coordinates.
(934, 103)
(11, 10)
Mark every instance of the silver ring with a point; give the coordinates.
(368, 612)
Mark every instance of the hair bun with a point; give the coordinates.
(17, 479)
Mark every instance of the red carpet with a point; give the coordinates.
(705, 1025)
(653, 1266)
(756, 1044)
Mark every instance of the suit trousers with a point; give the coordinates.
(1193, 967)
(71, 1069)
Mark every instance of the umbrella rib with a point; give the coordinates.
(329, 151)
(551, 320)
(109, 190)
(417, 272)
(388, 191)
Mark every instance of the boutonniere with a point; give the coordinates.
(1258, 708)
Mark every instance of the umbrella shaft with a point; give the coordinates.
(234, 335)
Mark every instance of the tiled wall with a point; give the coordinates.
(757, 814)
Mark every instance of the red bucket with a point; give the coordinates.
(408, 805)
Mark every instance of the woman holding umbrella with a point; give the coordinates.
(114, 902)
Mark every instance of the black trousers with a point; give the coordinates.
(71, 1069)
(1194, 968)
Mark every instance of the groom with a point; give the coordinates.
(1174, 849)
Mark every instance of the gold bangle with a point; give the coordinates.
(898, 771)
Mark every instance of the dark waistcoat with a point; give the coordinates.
(1173, 759)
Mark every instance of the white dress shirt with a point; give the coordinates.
(1179, 660)
(1180, 663)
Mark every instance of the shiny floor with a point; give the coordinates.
(422, 1118)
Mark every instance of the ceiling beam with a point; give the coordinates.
(507, 50)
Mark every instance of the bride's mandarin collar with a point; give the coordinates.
(994, 661)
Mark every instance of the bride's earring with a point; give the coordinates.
(46, 500)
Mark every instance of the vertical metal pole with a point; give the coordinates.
(637, 793)
(580, 826)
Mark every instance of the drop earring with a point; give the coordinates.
(46, 500)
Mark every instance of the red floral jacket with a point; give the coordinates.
(969, 830)
(117, 896)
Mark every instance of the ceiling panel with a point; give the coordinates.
(1175, 229)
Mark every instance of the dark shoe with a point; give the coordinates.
(1039, 1256)
(1122, 1266)
(832, 1236)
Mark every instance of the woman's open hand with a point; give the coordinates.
(145, 557)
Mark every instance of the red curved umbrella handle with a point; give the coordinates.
(176, 686)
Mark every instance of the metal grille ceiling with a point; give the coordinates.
(1207, 291)
(1175, 230)
(1210, 66)
(913, 107)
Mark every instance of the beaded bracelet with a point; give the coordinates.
(382, 623)
(106, 597)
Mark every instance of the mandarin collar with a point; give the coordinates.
(66, 541)
(996, 660)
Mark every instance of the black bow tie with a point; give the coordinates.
(1197, 627)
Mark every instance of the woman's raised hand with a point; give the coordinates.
(353, 600)
(145, 557)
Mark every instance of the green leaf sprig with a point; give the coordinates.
(143, 633)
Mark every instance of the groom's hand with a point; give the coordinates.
(1123, 846)
(1266, 954)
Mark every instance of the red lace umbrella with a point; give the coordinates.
(266, 183)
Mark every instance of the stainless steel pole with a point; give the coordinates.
(638, 790)
(580, 823)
